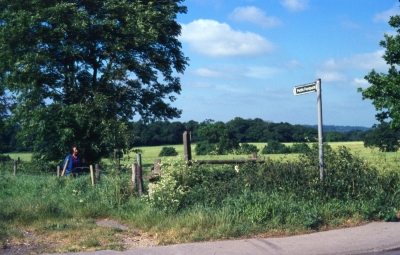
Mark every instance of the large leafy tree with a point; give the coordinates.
(382, 137)
(385, 88)
(82, 69)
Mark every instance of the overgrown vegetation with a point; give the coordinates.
(209, 201)
(168, 151)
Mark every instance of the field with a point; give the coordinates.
(381, 160)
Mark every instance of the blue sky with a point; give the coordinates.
(247, 55)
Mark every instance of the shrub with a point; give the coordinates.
(4, 157)
(275, 147)
(168, 151)
(246, 148)
(300, 148)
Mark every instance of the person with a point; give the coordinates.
(74, 162)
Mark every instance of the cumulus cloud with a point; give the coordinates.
(365, 61)
(209, 37)
(385, 16)
(327, 76)
(254, 15)
(295, 5)
(360, 82)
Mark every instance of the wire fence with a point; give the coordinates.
(35, 170)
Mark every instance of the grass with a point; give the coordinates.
(280, 197)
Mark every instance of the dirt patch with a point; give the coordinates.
(32, 244)
(129, 242)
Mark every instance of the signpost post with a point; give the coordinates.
(309, 88)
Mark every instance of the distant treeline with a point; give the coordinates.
(242, 130)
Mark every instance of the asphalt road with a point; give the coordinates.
(377, 238)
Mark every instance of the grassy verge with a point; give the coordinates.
(205, 202)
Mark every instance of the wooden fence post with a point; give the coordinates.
(134, 173)
(187, 152)
(139, 174)
(157, 166)
(97, 172)
(65, 167)
(58, 171)
(15, 168)
(92, 174)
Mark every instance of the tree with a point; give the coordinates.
(214, 139)
(82, 69)
(382, 137)
(334, 136)
(385, 88)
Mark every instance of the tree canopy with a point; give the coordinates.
(383, 138)
(82, 69)
(385, 88)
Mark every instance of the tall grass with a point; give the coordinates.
(203, 202)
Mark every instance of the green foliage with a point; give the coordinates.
(334, 136)
(246, 148)
(4, 158)
(214, 139)
(206, 202)
(348, 179)
(382, 137)
(81, 71)
(168, 151)
(275, 147)
(384, 87)
(300, 148)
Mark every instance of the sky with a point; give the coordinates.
(246, 56)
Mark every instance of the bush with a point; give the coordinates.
(246, 148)
(300, 148)
(4, 157)
(168, 151)
(275, 147)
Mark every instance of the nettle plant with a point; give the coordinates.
(167, 193)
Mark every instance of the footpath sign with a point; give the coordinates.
(305, 89)
(309, 88)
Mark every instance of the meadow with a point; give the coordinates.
(149, 153)
(282, 196)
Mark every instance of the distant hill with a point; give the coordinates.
(328, 128)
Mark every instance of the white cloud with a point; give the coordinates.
(350, 25)
(331, 76)
(254, 15)
(293, 64)
(260, 72)
(360, 82)
(205, 72)
(215, 39)
(231, 89)
(367, 61)
(385, 16)
(198, 84)
(295, 5)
